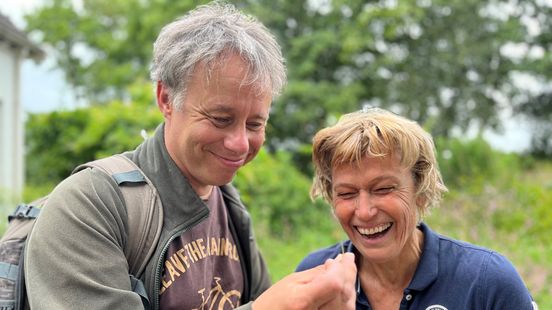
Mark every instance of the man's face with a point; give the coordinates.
(220, 127)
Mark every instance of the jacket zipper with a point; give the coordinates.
(159, 266)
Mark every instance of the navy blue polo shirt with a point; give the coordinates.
(451, 275)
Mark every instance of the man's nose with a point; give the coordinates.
(237, 140)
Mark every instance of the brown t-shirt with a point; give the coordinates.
(202, 266)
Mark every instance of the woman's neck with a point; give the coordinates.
(396, 273)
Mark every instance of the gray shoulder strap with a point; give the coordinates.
(145, 214)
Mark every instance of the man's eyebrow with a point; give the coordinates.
(227, 109)
(218, 107)
(261, 116)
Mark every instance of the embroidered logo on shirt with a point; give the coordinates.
(436, 307)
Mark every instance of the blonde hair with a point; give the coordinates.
(378, 133)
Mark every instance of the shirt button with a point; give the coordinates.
(408, 297)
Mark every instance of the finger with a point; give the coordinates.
(306, 276)
(333, 304)
(348, 271)
(334, 284)
(343, 265)
(348, 260)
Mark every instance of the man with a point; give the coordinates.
(216, 73)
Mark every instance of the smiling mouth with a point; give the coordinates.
(374, 232)
(231, 161)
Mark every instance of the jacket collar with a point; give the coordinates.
(178, 198)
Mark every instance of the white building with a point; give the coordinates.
(14, 48)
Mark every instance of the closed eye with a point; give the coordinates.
(384, 190)
(255, 126)
(221, 121)
(346, 195)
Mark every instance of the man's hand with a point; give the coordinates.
(329, 286)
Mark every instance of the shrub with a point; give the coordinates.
(59, 141)
(277, 194)
(473, 163)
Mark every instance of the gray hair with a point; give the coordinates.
(208, 35)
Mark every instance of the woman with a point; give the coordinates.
(379, 172)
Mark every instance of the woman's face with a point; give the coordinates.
(375, 203)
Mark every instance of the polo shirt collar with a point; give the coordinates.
(428, 266)
(426, 272)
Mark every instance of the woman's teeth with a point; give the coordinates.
(373, 230)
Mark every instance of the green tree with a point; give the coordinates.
(436, 61)
(537, 62)
(103, 46)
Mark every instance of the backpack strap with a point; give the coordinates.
(12, 247)
(145, 214)
(26, 211)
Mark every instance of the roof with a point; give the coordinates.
(18, 39)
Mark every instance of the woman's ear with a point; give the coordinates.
(421, 207)
(163, 102)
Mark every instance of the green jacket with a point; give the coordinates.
(74, 257)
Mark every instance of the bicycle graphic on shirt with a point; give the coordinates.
(217, 294)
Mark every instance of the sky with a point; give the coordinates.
(43, 88)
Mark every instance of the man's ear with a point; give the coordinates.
(163, 102)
